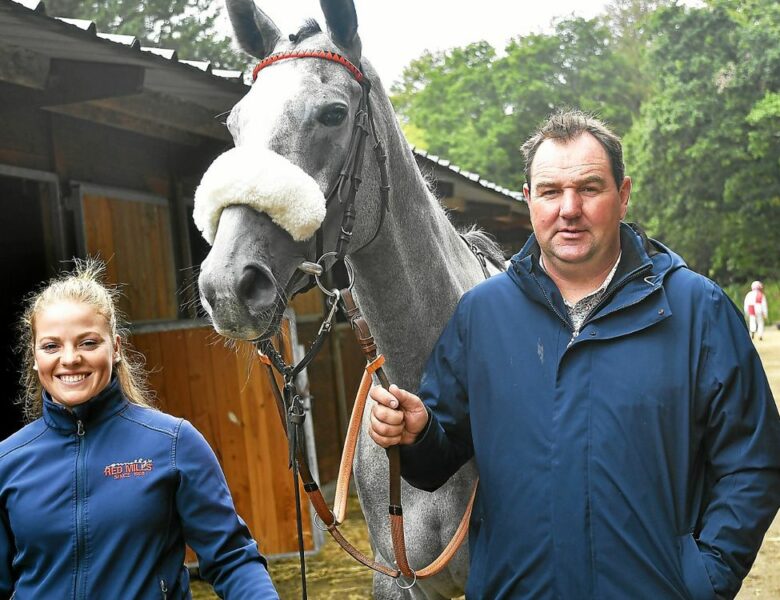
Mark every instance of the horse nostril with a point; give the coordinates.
(208, 293)
(256, 287)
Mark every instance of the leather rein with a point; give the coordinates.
(288, 400)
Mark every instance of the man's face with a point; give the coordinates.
(575, 206)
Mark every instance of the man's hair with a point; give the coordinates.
(568, 125)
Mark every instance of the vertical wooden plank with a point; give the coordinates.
(226, 405)
(99, 232)
(260, 459)
(201, 387)
(135, 237)
(175, 359)
(170, 297)
(309, 303)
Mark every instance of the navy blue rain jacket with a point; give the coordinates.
(98, 503)
(637, 459)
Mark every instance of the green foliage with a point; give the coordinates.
(477, 107)
(187, 26)
(705, 152)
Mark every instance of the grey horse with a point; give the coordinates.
(409, 273)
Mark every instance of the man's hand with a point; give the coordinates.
(398, 416)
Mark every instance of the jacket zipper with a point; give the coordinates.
(626, 280)
(80, 505)
(163, 589)
(576, 332)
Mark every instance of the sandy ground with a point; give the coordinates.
(763, 581)
(333, 575)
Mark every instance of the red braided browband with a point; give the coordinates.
(332, 56)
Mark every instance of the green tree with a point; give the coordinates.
(704, 154)
(449, 99)
(477, 108)
(187, 26)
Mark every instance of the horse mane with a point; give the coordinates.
(485, 243)
(475, 236)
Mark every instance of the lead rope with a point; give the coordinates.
(330, 519)
(293, 415)
(296, 415)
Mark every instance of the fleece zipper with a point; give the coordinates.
(79, 591)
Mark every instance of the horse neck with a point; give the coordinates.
(409, 279)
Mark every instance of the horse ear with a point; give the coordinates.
(255, 31)
(342, 23)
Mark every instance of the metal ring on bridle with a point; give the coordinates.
(350, 274)
(320, 524)
(406, 587)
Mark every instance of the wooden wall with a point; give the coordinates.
(226, 395)
(134, 236)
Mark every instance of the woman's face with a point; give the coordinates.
(74, 351)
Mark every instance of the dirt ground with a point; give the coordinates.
(333, 575)
(764, 579)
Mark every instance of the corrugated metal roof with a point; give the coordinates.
(469, 175)
(25, 23)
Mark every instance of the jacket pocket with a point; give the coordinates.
(694, 572)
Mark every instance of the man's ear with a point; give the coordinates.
(625, 195)
(527, 192)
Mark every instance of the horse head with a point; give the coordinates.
(268, 203)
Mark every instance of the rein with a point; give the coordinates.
(289, 402)
(290, 407)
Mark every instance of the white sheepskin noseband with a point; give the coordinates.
(267, 182)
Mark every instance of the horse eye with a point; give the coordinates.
(332, 115)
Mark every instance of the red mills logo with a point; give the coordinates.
(137, 468)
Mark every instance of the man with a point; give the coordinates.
(626, 438)
(756, 309)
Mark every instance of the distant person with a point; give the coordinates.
(100, 492)
(626, 438)
(756, 309)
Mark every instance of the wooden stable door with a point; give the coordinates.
(132, 233)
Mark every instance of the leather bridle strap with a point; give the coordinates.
(348, 181)
(323, 54)
(367, 344)
(332, 519)
(273, 360)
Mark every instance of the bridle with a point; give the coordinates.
(347, 183)
(288, 400)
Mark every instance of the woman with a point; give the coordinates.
(755, 307)
(100, 491)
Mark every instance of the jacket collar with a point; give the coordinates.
(640, 255)
(106, 404)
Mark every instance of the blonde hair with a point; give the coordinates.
(84, 284)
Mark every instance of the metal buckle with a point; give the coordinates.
(405, 587)
(328, 322)
(320, 524)
(350, 274)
